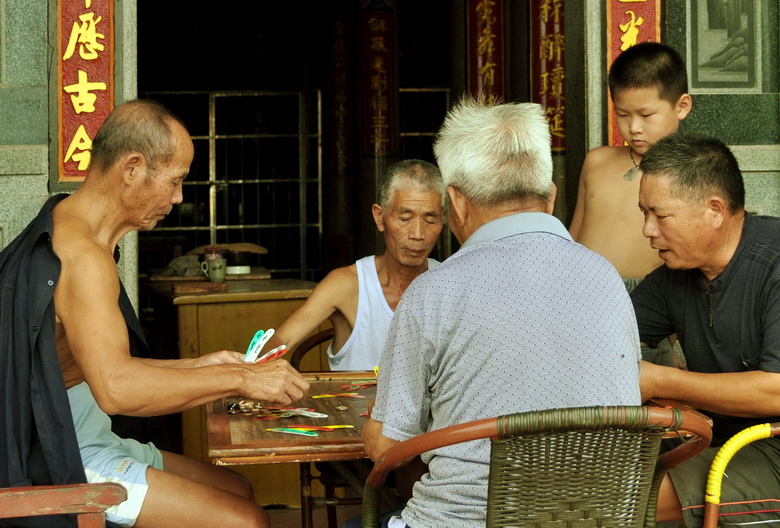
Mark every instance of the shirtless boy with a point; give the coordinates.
(648, 84)
(359, 300)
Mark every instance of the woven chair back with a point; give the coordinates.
(582, 479)
(586, 467)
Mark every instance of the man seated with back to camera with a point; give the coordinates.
(520, 318)
(719, 291)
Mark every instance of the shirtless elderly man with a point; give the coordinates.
(360, 299)
(60, 282)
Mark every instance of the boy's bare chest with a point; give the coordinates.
(610, 192)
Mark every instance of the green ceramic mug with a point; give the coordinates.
(214, 269)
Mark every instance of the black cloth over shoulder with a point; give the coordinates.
(38, 444)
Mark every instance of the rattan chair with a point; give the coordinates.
(87, 501)
(721, 460)
(308, 345)
(583, 467)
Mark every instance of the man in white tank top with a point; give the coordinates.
(359, 300)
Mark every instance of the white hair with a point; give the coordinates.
(412, 174)
(492, 154)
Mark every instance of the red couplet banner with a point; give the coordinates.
(629, 22)
(548, 45)
(85, 67)
(485, 20)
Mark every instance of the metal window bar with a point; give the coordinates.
(309, 144)
(422, 113)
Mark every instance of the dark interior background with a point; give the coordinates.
(265, 45)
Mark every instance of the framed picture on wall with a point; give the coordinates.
(723, 51)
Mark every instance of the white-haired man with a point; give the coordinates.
(521, 318)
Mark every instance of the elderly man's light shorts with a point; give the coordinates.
(109, 458)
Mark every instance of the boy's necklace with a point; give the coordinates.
(631, 174)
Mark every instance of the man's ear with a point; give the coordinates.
(718, 209)
(377, 212)
(130, 165)
(684, 106)
(549, 207)
(458, 205)
(459, 214)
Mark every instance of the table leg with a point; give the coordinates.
(331, 502)
(307, 506)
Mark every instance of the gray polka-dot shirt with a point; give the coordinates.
(521, 318)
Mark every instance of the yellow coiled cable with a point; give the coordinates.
(726, 452)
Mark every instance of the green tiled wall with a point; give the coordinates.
(737, 118)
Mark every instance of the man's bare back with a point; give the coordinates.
(607, 218)
(70, 369)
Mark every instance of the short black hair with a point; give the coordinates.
(650, 65)
(698, 166)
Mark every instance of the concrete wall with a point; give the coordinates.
(28, 110)
(747, 120)
(24, 113)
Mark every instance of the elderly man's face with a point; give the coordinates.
(154, 195)
(411, 224)
(682, 233)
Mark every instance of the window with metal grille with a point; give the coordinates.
(256, 177)
(422, 113)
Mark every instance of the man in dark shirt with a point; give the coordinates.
(719, 291)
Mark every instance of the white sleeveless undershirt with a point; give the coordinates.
(364, 346)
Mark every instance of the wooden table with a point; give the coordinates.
(242, 439)
(194, 324)
(211, 321)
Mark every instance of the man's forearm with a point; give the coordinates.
(375, 443)
(171, 363)
(746, 394)
(144, 390)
